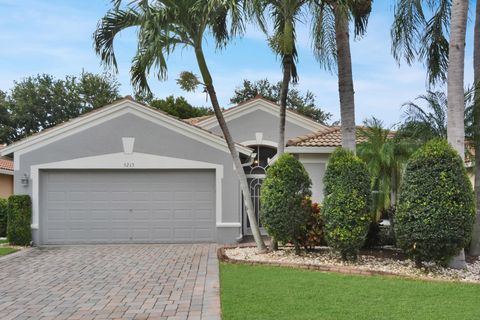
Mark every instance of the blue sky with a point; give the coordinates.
(55, 37)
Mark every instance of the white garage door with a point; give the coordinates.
(99, 206)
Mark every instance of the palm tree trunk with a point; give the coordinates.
(207, 78)
(287, 61)
(475, 244)
(455, 78)
(345, 81)
(287, 75)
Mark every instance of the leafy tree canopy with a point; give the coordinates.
(177, 107)
(42, 101)
(296, 100)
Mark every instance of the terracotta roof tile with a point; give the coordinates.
(331, 137)
(6, 164)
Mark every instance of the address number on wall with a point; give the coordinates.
(129, 164)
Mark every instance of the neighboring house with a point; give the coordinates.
(6, 177)
(129, 173)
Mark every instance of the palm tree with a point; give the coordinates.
(455, 79)
(331, 42)
(426, 123)
(284, 15)
(475, 244)
(425, 117)
(385, 157)
(164, 25)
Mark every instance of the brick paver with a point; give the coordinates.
(171, 281)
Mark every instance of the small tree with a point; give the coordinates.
(346, 208)
(285, 198)
(435, 215)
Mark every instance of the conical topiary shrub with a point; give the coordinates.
(346, 208)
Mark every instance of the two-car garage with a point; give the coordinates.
(127, 173)
(122, 206)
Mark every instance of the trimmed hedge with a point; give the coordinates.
(346, 208)
(436, 208)
(285, 199)
(19, 220)
(3, 217)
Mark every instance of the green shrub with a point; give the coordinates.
(436, 208)
(285, 198)
(19, 220)
(347, 203)
(3, 217)
(313, 234)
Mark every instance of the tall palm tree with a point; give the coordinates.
(414, 36)
(164, 25)
(475, 244)
(455, 80)
(284, 15)
(331, 43)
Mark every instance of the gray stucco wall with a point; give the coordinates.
(315, 164)
(149, 138)
(244, 128)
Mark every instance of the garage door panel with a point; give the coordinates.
(183, 214)
(78, 215)
(203, 215)
(108, 206)
(102, 234)
(163, 234)
(183, 234)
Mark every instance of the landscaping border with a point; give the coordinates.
(222, 256)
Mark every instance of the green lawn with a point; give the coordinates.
(3, 241)
(257, 292)
(6, 250)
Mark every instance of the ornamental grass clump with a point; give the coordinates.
(346, 208)
(436, 208)
(285, 198)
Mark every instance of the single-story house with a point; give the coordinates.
(129, 173)
(6, 177)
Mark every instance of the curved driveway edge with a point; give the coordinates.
(171, 281)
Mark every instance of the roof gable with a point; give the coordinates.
(263, 104)
(123, 106)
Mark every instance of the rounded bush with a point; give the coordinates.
(436, 210)
(346, 207)
(285, 199)
(19, 220)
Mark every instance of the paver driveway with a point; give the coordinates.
(111, 282)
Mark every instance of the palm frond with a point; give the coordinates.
(115, 21)
(434, 45)
(323, 33)
(407, 30)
